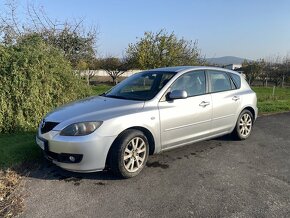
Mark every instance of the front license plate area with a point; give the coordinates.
(42, 143)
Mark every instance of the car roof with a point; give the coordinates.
(178, 69)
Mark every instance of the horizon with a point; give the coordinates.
(244, 29)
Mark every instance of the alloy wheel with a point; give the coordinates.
(245, 125)
(135, 154)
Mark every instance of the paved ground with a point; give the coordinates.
(215, 178)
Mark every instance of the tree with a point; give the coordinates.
(76, 42)
(83, 68)
(162, 50)
(278, 69)
(286, 70)
(252, 70)
(264, 73)
(114, 67)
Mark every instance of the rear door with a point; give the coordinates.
(185, 120)
(225, 101)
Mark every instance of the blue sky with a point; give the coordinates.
(251, 29)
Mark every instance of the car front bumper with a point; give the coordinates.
(76, 153)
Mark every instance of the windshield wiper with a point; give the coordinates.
(123, 97)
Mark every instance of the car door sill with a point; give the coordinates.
(194, 141)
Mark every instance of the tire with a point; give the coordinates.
(244, 125)
(129, 153)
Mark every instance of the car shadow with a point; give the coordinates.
(45, 170)
(48, 171)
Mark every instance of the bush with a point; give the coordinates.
(34, 78)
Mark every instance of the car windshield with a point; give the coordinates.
(141, 86)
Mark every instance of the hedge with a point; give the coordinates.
(34, 78)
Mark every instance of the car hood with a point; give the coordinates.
(93, 108)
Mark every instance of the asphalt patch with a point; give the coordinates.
(157, 164)
(100, 183)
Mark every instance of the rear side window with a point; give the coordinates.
(237, 80)
(219, 81)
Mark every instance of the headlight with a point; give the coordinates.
(80, 129)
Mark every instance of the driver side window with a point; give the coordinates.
(193, 83)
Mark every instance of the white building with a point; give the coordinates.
(233, 66)
(104, 73)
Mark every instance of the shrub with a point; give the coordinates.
(34, 78)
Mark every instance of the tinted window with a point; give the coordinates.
(193, 83)
(237, 80)
(219, 81)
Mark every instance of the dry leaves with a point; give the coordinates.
(11, 202)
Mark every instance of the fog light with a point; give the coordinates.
(72, 158)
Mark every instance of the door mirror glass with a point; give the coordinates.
(178, 94)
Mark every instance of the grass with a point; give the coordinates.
(101, 88)
(17, 148)
(269, 103)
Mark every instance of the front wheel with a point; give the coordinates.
(129, 153)
(244, 125)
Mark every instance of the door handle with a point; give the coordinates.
(235, 98)
(204, 103)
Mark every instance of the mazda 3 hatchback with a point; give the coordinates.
(149, 112)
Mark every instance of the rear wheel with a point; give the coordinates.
(129, 153)
(244, 125)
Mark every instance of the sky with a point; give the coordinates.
(250, 29)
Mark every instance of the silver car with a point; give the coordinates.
(149, 112)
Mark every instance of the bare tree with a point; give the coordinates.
(76, 41)
(114, 67)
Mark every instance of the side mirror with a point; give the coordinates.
(178, 94)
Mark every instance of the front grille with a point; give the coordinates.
(47, 126)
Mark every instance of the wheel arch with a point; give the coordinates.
(146, 132)
(251, 109)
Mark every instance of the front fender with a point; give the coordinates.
(148, 119)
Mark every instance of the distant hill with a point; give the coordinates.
(226, 60)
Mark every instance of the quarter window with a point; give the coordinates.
(219, 81)
(237, 80)
(193, 83)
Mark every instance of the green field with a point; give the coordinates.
(269, 103)
(99, 89)
(19, 147)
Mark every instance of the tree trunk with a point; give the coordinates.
(115, 82)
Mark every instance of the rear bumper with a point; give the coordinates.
(76, 153)
(256, 113)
